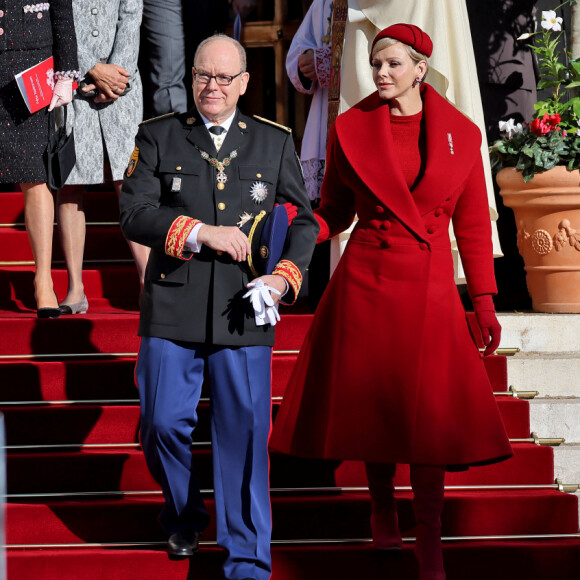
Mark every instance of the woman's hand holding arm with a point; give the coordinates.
(110, 80)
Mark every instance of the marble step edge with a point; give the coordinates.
(551, 374)
(556, 418)
(540, 332)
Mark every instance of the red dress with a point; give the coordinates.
(389, 371)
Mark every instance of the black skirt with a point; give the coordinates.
(23, 137)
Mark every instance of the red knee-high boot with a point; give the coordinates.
(384, 520)
(427, 483)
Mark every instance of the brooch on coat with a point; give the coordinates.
(450, 141)
(221, 176)
(259, 191)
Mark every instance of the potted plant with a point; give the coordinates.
(537, 171)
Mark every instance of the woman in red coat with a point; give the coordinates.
(389, 372)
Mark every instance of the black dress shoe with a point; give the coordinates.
(183, 543)
(48, 312)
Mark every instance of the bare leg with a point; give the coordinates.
(39, 218)
(140, 253)
(428, 484)
(72, 228)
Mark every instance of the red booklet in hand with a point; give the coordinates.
(37, 84)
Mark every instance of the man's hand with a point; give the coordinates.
(228, 239)
(306, 65)
(110, 80)
(276, 282)
(263, 293)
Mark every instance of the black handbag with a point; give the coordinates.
(60, 151)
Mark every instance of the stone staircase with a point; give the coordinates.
(548, 362)
(81, 504)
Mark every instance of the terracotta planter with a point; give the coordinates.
(547, 213)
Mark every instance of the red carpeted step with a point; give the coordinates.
(84, 471)
(113, 564)
(111, 470)
(111, 284)
(102, 424)
(96, 332)
(465, 513)
(100, 379)
(346, 515)
(92, 379)
(101, 243)
(107, 379)
(544, 559)
(291, 330)
(68, 424)
(82, 333)
(496, 367)
(530, 465)
(99, 206)
(68, 380)
(12, 207)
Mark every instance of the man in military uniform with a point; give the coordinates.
(184, 193)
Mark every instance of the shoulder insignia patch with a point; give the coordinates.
(133, 162)
(267, 121)
(152, 120)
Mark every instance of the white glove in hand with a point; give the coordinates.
(62, 94)
(265, 311)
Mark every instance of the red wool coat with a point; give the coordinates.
(389, 371)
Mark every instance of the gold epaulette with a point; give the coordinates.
(158, 118)
(261, 119)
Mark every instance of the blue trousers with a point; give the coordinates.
(170, 376)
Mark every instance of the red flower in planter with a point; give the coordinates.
(547, 123)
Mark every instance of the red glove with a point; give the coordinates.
(489, 326)
(292, 211)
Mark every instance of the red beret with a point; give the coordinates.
(408, 34)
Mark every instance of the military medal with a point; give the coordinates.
(221, 176)
(259, 191)
(176, 184)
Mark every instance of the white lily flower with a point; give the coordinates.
(510, 127)
(550, 21)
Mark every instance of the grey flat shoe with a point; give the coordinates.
(77, 308)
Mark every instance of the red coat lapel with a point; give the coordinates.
(366, 140)
(452, 145)
(365, 137)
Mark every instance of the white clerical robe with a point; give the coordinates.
(314, 33)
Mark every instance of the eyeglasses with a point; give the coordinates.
(222, 80)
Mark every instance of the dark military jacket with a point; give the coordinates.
(170, 185)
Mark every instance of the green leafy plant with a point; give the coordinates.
(551, 138)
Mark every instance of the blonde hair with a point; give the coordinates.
(416, 56)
